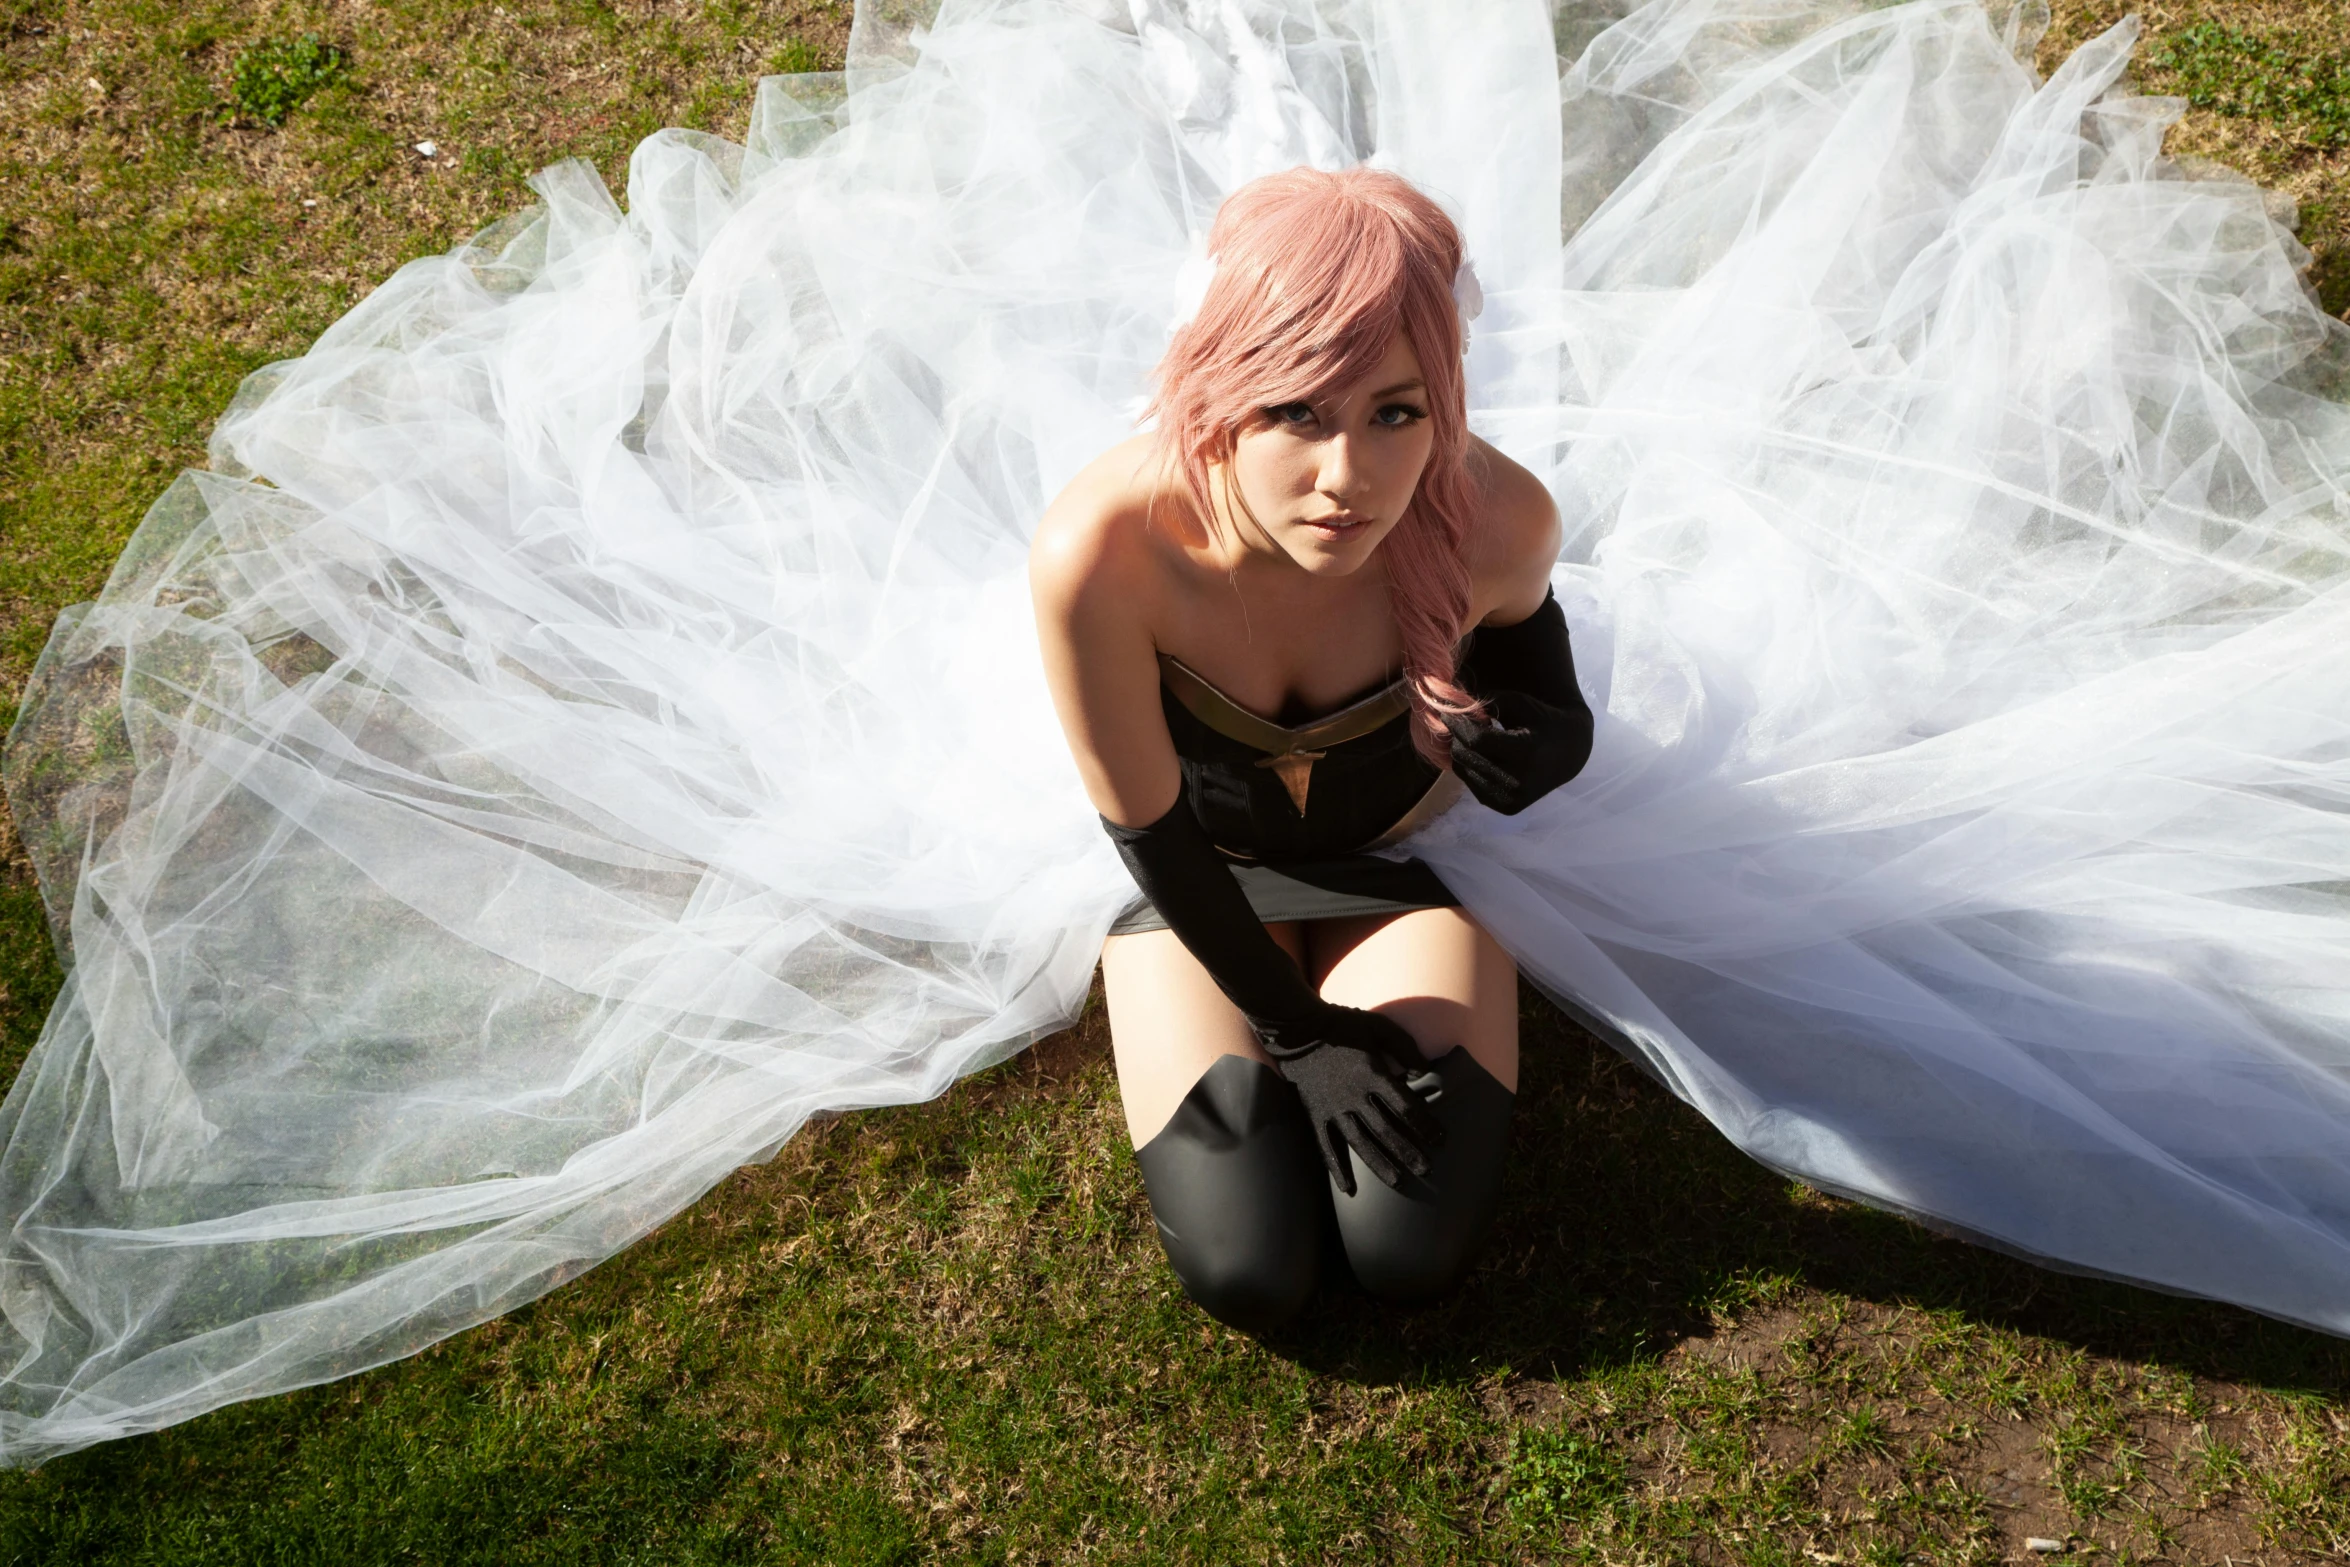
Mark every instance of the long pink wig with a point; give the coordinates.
(1315, 271)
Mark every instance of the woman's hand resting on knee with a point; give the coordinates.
(1362, 1080)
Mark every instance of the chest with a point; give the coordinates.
(1287, 655)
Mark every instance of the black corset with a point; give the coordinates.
(1355, 788)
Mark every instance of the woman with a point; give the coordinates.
(589, 718)
(1312, 492)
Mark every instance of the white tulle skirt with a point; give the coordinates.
(587, 720)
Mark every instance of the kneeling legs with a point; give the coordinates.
(1243, 1203)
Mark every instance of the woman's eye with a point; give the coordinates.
(1396, 415)
(1291, 413)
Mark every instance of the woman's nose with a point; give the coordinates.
(1340, 477)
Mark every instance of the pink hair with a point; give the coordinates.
(1315, 272)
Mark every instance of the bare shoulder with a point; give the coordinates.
(1516, 542)
(1095, 534)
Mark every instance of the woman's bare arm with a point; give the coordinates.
(1516, 544)
(1093, 578)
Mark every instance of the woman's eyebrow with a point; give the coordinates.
(1401, 386)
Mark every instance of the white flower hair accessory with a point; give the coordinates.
(1468, 297)
(1198, 272)
(1191, 287)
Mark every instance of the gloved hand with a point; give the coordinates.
(1536, 730)
(1364, 1086)
(1521, 750)
(1356, 1071)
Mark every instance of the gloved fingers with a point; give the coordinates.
(1410, 1086)
(1410, 1131)
(1410, 1150)
(1498, 791)
(1510, 751)
(1402, 1070)
(1466, 727)
(1493, 785)
(1375, 1153)
(1331, 1139)
(1470, 736)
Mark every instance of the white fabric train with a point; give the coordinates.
(587, 721)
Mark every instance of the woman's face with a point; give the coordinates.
(1326, 480)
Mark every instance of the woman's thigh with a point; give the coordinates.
(1169, 1022)
(1435, 971)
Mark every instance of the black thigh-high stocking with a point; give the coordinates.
(1243, 1203)
(1240, 1195)
(1413, 1242)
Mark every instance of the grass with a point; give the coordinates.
(276, 76)
(944, 1332)
(2265, 85)
(2285, 81)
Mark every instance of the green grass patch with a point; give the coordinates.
(2287, 80)
(276, 76)
(1556, 1479)
(29, 976)
(796, 57)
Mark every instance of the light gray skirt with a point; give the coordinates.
(1339, 888)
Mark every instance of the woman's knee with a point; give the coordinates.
(1414, 1243)
(1241, 1199)
(1237, 1191)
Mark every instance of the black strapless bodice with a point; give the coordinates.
(1359, 788)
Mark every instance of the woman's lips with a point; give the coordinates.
(1343, 522)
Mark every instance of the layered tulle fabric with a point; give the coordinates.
(586, 720)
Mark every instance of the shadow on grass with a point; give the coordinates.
(2329, 277)
(1627, 1221)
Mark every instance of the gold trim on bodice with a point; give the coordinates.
(1290, 752)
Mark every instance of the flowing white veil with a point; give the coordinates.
(586, 720)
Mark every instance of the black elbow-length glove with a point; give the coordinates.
(1351, 1068)
(1536, 730)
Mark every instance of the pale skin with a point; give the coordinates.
(1278, 597)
